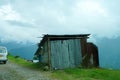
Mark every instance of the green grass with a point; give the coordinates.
(72, 74)
(24, 63)
(86, 74)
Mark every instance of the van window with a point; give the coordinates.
(2, 50)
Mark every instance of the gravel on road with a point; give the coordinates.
(12, 71)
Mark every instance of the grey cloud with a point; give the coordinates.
(18, 23)
(62, 17)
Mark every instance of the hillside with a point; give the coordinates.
(72, 74)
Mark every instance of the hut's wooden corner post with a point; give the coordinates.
(49, 53)
(84, 51)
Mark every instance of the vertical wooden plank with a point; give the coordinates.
(57, 58)
(78, 56)
(65, 54)
(75, 58)
(71, 54)
(60, 54)
(52, 54)
(55, 54)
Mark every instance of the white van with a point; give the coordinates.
(3, 54)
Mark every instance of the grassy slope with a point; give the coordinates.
(73, 74)
(87, 74)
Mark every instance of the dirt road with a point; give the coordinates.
(11, 71)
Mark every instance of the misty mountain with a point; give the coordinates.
(24, 50)
(13, 45)
(109, 53)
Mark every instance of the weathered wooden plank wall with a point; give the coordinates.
(66, 53)
(44, 53)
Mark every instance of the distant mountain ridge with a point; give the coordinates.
(24, 50)
(109, 53)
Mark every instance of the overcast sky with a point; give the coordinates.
(25, 20)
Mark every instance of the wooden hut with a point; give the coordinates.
(65, 51)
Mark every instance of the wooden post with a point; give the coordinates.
(84, 51)
(49, 60)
